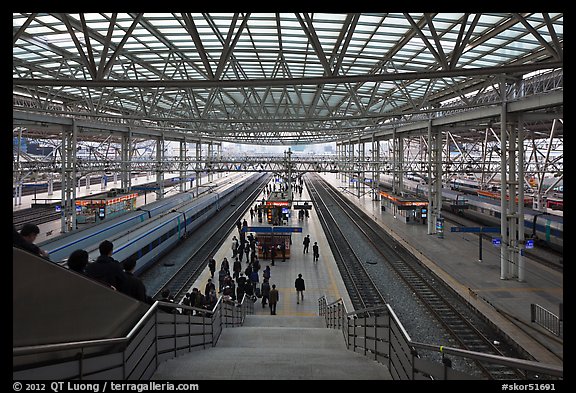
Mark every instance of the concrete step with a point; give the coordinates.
(284, 321)
(274, 347)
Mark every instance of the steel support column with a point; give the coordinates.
(434, 177)
(375, 168)
(521, 240)
(504, 254)
(209, 161)
(182, 165)
(198, 168)
(360, 167)
(68, 181)
(126, 154)
(159, 170)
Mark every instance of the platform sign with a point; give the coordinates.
(496, 242)
(440, 227)
(475, 229)
(530, 243)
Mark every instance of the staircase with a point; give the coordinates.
(274, 347)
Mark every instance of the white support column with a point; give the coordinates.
(512, 205)
(503, 186)
(209, 162)
(159, 170)
(126, 154)
(434, 177)
(361, 161)
(182, 166)
(68, 179)
(198, 166)
(375, 169)
(521, 240)
(50, 184)
(219, 157)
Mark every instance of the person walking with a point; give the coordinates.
(306, 243)
(300, 287)
(265, 290)
(315, 252)
(212, 266)
(273, 298)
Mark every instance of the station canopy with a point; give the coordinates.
(270, 78)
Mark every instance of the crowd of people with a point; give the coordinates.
(105, 269)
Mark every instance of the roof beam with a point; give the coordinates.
(484, 71)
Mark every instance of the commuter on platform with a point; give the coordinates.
(209, 286)
(225, 265)
(133, 286)
(78, 260)
(266, 273)
(236, 268)
(273, 299)
(221, 276)
(306, 243)
(300, 287)
(212, 266)
(234, 246)
(265, 290)
(26, 238)
(167, 298)
(106, 269)
(188, 301)
(240, 286)
(315, 252)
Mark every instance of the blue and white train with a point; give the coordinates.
(153, 229)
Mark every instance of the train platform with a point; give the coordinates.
(294, 343)
(320, 278)
(454, 258)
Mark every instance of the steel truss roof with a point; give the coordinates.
(270, 78)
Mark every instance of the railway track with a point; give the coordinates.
(361, 289)
(36, 215)
(418, 280)
(186, 275)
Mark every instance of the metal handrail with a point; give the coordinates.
(351, 317)
(27, 350)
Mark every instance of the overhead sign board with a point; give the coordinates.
(272, 229)
(476, 229)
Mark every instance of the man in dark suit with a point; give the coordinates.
(133, 286)
(106, 269)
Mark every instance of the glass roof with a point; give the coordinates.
(270, 78)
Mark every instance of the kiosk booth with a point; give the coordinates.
(412, 210)
(268, 237)
(101, 207)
